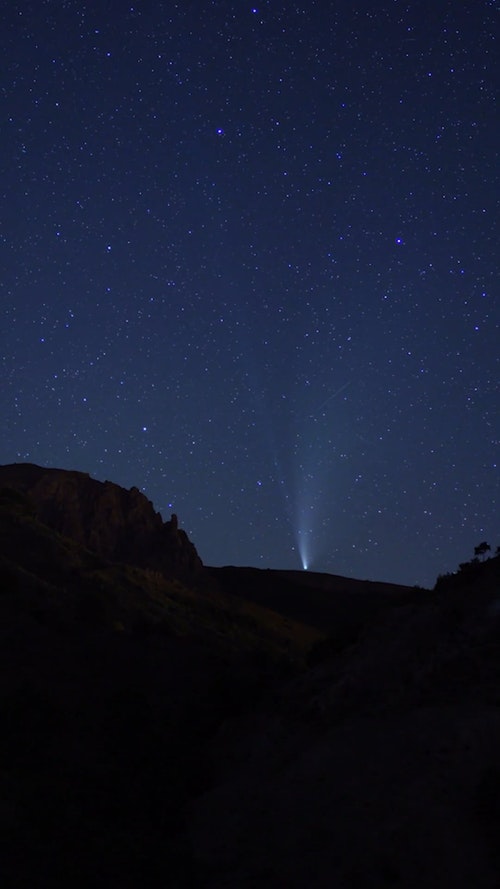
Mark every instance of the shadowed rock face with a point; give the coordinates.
(117, 524)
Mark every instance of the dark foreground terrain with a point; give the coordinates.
(167, 724)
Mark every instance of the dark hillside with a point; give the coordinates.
(234, 727)
(112, 680)
(330, 603)
(376, 767)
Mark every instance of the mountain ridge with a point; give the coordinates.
(117, 524)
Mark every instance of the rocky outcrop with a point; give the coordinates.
(117, 524)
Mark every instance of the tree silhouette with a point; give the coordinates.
(482, 549)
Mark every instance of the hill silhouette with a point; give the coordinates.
(164, 722)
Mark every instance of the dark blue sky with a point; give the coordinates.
(249, 264)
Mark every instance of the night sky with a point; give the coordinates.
(249, 265)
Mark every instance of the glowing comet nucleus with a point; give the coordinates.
(303, 548)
